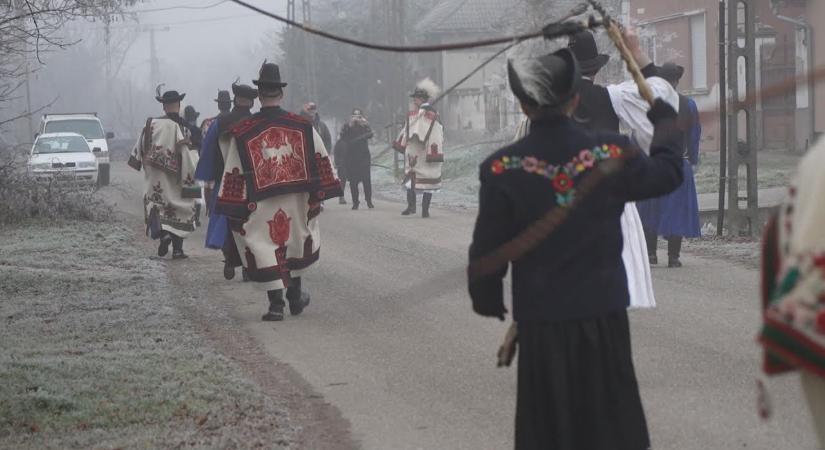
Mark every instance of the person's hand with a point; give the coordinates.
(633, 42)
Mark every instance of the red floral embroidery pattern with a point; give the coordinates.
(233, 186)
(279, 228)
(562, 183)
(286, 165)
(325, 170)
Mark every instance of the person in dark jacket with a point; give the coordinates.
(576, 383)
(356, 135)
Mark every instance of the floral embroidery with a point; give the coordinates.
(562, 183)
(562, 177)
(279, 228)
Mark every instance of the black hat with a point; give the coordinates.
(545, 82)
(190, 114)
(583, 45)
(244, 91)
(170, 97)
(671, 72)
(269, 76)
(420, 93)
(223, 97)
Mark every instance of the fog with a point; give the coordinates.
(198, 51)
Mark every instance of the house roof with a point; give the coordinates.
(461, 16)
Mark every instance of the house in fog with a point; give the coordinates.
(687, 33)
(482, 102)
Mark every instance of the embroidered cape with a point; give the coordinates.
(793, 275)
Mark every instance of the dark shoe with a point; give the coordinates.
(425, 214)
(342, 200)
(410, 203)
(228, 272)
(674, 263)
(354, 206)
(653, 259)
(273, 316)
(370, 205)
(296, 306)
(245, 275)
(179, 255)
(163, 248)
(276, 306)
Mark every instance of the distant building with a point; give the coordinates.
(687, 33)
(482, 102)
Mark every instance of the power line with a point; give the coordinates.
(550, 31)
(179, 7)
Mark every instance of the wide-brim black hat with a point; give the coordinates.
(190, 114)
(420, 93)
(244, 91)
(671, 72)
(170, 97)
(583, 45)
(269, 76)
(223, 97)
(545, 82)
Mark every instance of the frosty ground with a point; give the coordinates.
(97, 351)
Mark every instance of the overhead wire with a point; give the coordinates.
(549, 31)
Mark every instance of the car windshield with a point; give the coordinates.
(61, 144)
(88, 128)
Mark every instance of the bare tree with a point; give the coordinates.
(28, 28)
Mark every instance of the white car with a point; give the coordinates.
(87, 125)
(63, 157)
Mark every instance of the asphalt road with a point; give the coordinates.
(390, 339)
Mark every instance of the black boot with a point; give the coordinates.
(297, 298)
(197, 214)
(425, 204)
(674, 250)
(368, 192)
(353, 189)
(410, 203)
(276, 306)
(651, 240)
(177, 248)
(163, 247)
(228, 269)
(341, 199)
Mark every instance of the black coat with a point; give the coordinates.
(357, 158)
(577, 271)
(595, 111)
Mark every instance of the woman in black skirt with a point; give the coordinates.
(577, 388)
(355, 136)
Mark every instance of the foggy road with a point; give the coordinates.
(390, 339)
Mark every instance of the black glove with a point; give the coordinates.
(661, 111)
(490, 309)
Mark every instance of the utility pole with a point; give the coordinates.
(743, 221)
(154, 65)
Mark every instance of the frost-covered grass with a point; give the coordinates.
(94, 352)
(774, 169)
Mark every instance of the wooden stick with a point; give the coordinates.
(615, 35)
(507, 350)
